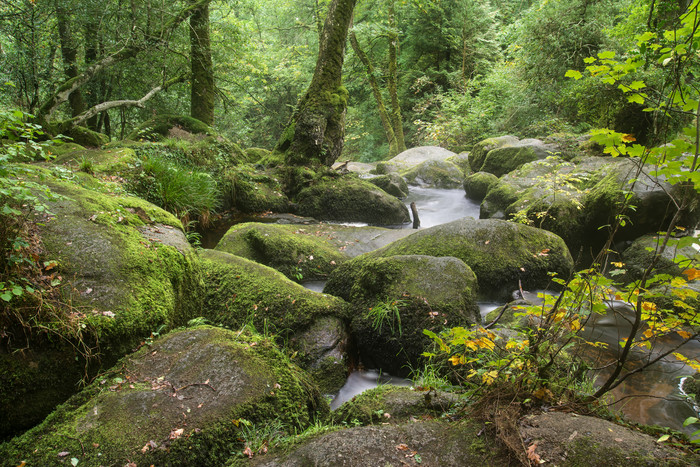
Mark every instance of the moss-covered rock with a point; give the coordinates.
(480, 149)
(399, 403)
(85, 137)
(127, 271)
(500, 253)
(477, 185)
(240, 292)
(322, 351)
(461, 160)
(161, 125)
(638, 256)
(427, 443)
(415, 156)
(395, 298)
(298, 252)
(255, 155)
(504, 159)
(181, 401)
(114, 161)
(393, 184)
(250, 191)
(350, 199)
(435, 174)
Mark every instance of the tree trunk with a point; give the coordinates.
(316, 131)
(69, 52)
(202, 90)
(392, 84)
(383, 114)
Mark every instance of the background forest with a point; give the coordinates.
(458, 70)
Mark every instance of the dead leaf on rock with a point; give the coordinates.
(534, 457)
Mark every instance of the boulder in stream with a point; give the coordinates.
(300, 252)
(500, 253)
(416, 156)
(186, 399)
(395, 298)
(392, 183)
(349, 199)
(435, 174)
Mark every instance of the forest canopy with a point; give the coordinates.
(439, 72)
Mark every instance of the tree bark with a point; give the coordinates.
(316, 131)
(69, 53)
(202, 89)
(383, 114)
(392, 84)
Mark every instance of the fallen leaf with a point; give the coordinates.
(63, 453)
(402, 447)
(532, 455)
(248, 452)
(175, 434)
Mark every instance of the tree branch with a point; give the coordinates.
(77, 120)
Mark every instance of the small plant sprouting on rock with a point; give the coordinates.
(389, 312)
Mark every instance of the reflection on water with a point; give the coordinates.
(438, 206)
(362, 380)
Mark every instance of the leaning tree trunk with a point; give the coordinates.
(202, 90)
(316, 131)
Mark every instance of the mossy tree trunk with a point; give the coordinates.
(202, 90)
(383, 114)
(392, 84)
(315, 134)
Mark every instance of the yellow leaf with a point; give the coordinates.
(684, 334)
(627, 138)
(489, 377)
(456, 360)
(648, 306)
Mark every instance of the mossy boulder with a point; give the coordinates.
(393, 184)
(297, 251)
(240, 292)
(504, 159)
(161, 125)
(394, 404)
(127, 271)
(322, 351)
(395, 298)
(675, 259)
(113, 161)
(461, 160)
(477, 185)
(435, 174)
(255, 155)
(84, 136)
(249, 190)
(480, 149)
(350, 199)
(415, 156)
(500, 253)
(184, 400)
(425, 443)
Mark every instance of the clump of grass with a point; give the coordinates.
(189, 194)
(86, 165)
(389, 312)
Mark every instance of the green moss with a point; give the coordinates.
(500, 161)
(477, 185)
(255, 155)
(249, 191)
(291, 249)
(480, 149)
(221, 377)
(84, 136)
(115, 161)
(241, 292)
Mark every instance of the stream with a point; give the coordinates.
(651, 397)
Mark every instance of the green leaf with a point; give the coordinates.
(74, 461)
(636, 99)
(7, 296)
(690, 421)
(589, 60)
(573, 74)
(637, 85)
(607, 54)
(663, 438)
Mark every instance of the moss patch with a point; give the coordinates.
(298, 252)
(435, 174)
